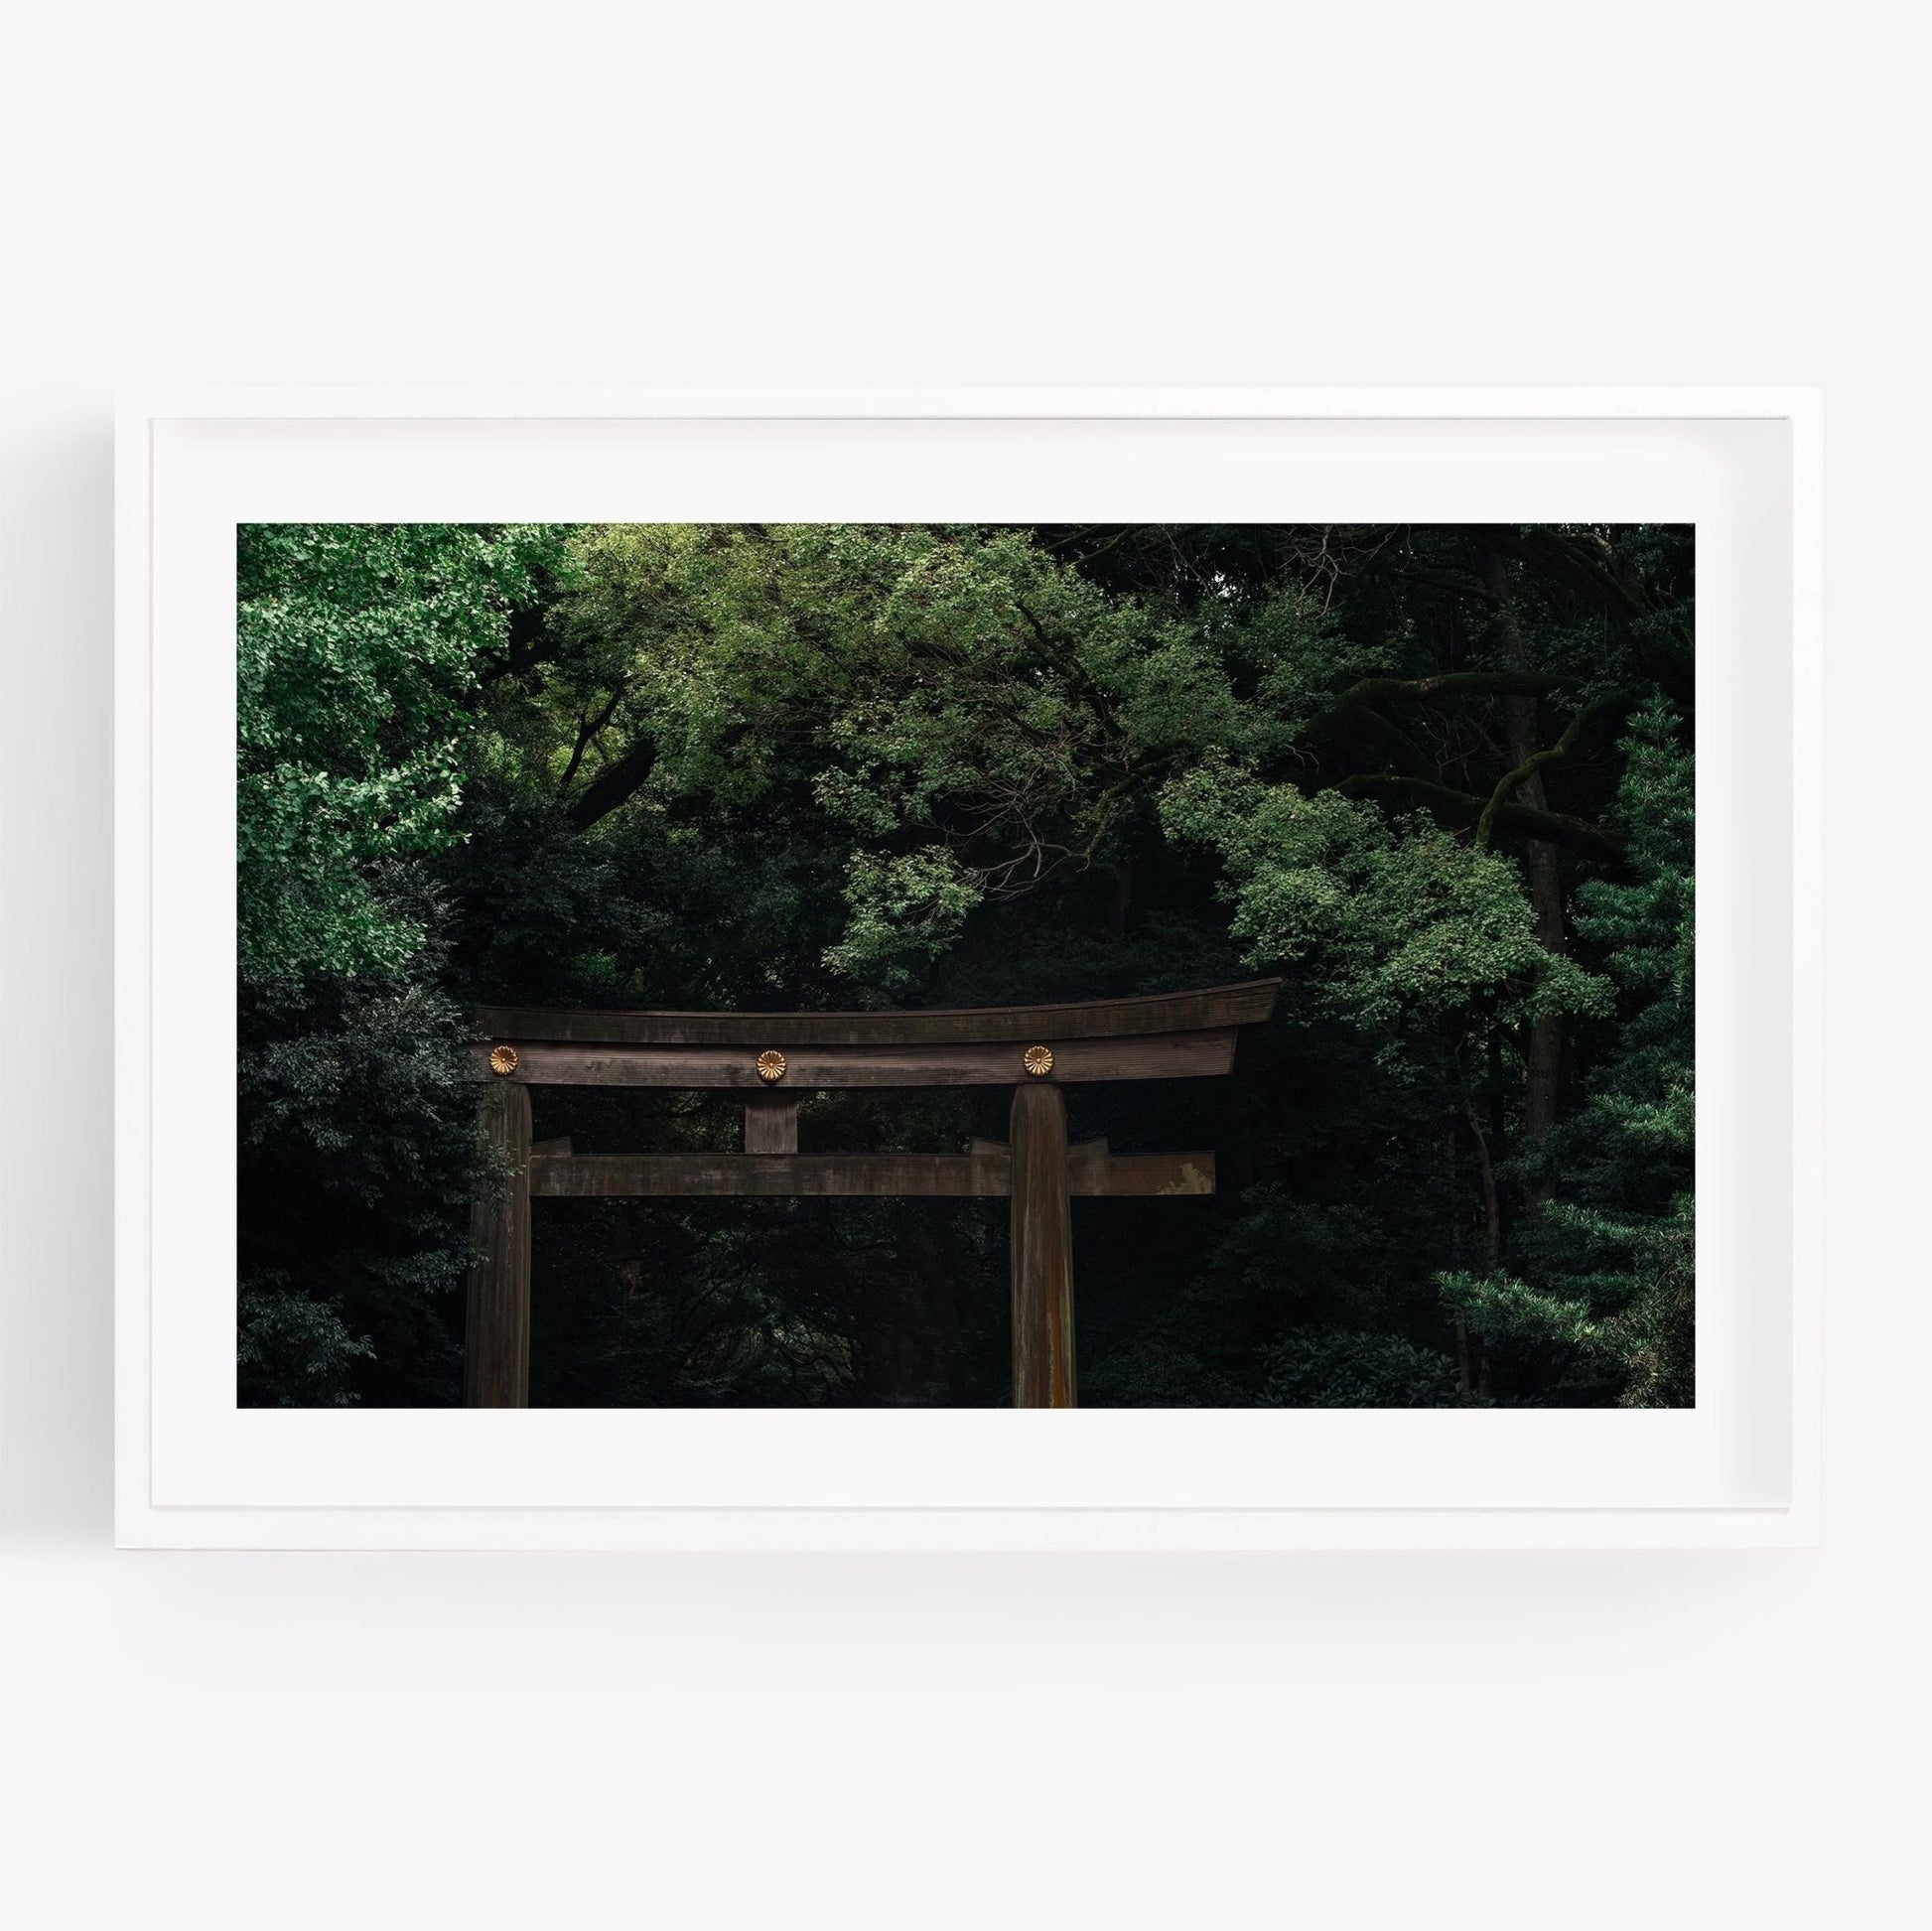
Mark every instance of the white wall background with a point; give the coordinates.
(1002, 194)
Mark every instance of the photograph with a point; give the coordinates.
(915, 965)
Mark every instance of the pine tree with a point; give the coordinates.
(1608, 1268)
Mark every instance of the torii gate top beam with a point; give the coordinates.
(1159, 1036)
(1093, 1019)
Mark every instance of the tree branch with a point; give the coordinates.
(586, 731)
(615, 785)
(1377, 690)
(527, 643)
(1515, 820)
(1508, 782)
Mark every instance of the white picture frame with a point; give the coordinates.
(1741, 1469)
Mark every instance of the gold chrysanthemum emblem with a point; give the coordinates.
(771, 1066)
(502, 1059)
(1039, 1060)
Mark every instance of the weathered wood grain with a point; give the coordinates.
(1040, 1233)
(1209, 1010)
(496, 1329)
(1168, 1055)
(771, 1125)
(1081, 1150)
(1090, 1175)
(768, 1174)
(1128, 1174)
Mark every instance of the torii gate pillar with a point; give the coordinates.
(497, 1354)
(1041, 1251)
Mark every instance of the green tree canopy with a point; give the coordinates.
(359, 653)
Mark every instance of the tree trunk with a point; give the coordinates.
(1541, 865)
(1493, 1252)
(1464, 1386)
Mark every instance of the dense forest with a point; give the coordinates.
(1439, 778)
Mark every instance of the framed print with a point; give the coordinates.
(968, 971)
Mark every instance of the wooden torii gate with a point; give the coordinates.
(772, 1058)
